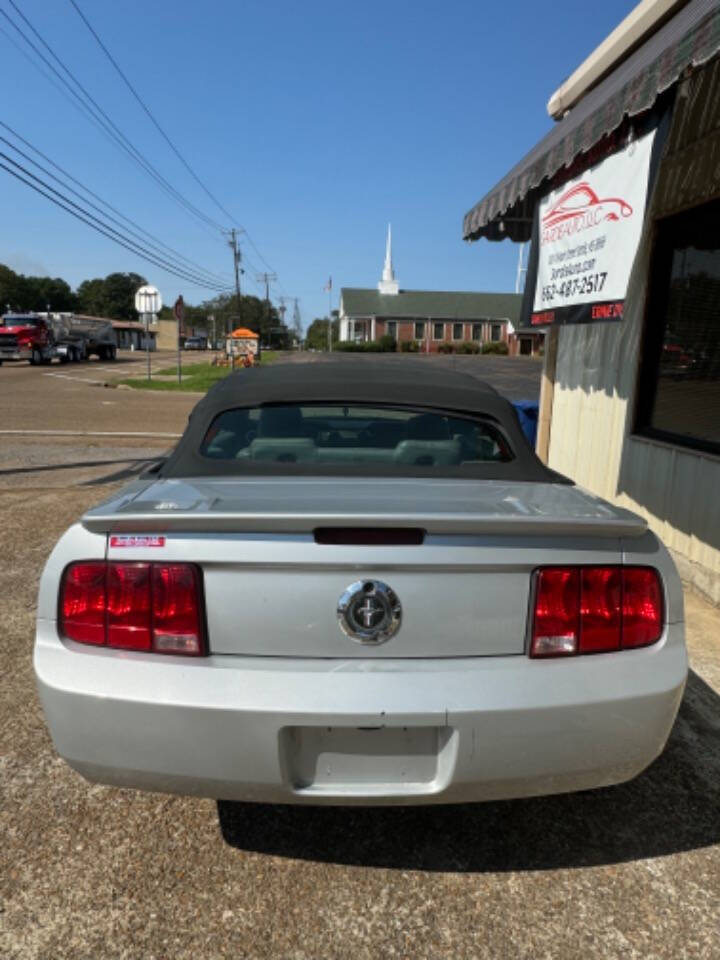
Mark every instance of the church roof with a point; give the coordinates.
(434, 304)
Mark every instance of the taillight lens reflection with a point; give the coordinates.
(128, 606)
(176, 610)
(595, 610)
(134, 606)
(82, 603)
(557, 612)
(600, 601)
(642, 607)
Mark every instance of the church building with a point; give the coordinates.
(427, 318)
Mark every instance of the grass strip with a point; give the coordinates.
(196, 377)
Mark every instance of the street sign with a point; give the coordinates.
(179, 309)
(148, 300)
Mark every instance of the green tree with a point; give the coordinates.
(113, 297)
(251, 312)
(316, 337)
(46, 292)
(90, 295)
(11, 289)
(19, 292)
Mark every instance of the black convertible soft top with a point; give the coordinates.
(387, 383)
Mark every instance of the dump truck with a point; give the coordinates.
(39, 338)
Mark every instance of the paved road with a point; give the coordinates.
(517, 378)
(92, 872)
(73, 396)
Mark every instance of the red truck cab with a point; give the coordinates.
(25, 337)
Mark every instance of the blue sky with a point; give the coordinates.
(314, 124)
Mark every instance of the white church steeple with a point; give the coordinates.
(388, 284)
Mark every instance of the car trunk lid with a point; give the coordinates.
(300, 504)
(274, 579)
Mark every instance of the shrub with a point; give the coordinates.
(359, 346)
(388, 343)
(468, 346)
(409, 346)
(445, 347)
(495, 346)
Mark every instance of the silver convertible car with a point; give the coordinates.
(358, 586)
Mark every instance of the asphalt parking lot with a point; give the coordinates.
(93, 872)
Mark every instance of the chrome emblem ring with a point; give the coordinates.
(369, 612)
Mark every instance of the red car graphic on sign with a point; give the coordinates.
(582, 199)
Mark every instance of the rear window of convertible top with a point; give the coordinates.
(353, 434)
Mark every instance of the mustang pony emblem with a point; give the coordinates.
(369, 612)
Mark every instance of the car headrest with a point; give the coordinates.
(428, 426)
(281, 422)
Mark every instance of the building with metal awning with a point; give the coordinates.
(620, 205)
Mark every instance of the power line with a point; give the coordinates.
(101, 118)
(147, 110)
(158, 246)
(81, 108)
(93, 111)
(66, 204)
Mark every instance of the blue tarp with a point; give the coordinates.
(527, 412)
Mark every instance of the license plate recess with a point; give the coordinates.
(325, 759)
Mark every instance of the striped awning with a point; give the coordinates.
(689, 38)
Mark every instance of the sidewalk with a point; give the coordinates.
(703, 637)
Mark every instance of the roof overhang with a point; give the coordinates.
(689, 38)
(643, 20)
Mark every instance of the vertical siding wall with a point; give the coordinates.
(591, 441)
(676, 490)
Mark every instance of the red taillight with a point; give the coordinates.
(82, 603)
(642, 607)
(177, 626)
(133, 606)
(595, 610)
(600, 601)
(557, 612)
(129, 620)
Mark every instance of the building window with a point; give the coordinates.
(391, 329)
(457, 331)
(419, 329)
(477, 331)
(438, 331)
(679, 385)
(496, 331)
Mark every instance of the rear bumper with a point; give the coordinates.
(363, 732)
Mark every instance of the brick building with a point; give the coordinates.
(428, 317)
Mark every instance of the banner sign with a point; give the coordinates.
(587, 235)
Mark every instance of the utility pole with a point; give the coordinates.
(521, 270)
(267, 279)
(328, 287)
(297, 320)
(237, 260)
(282, 309)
